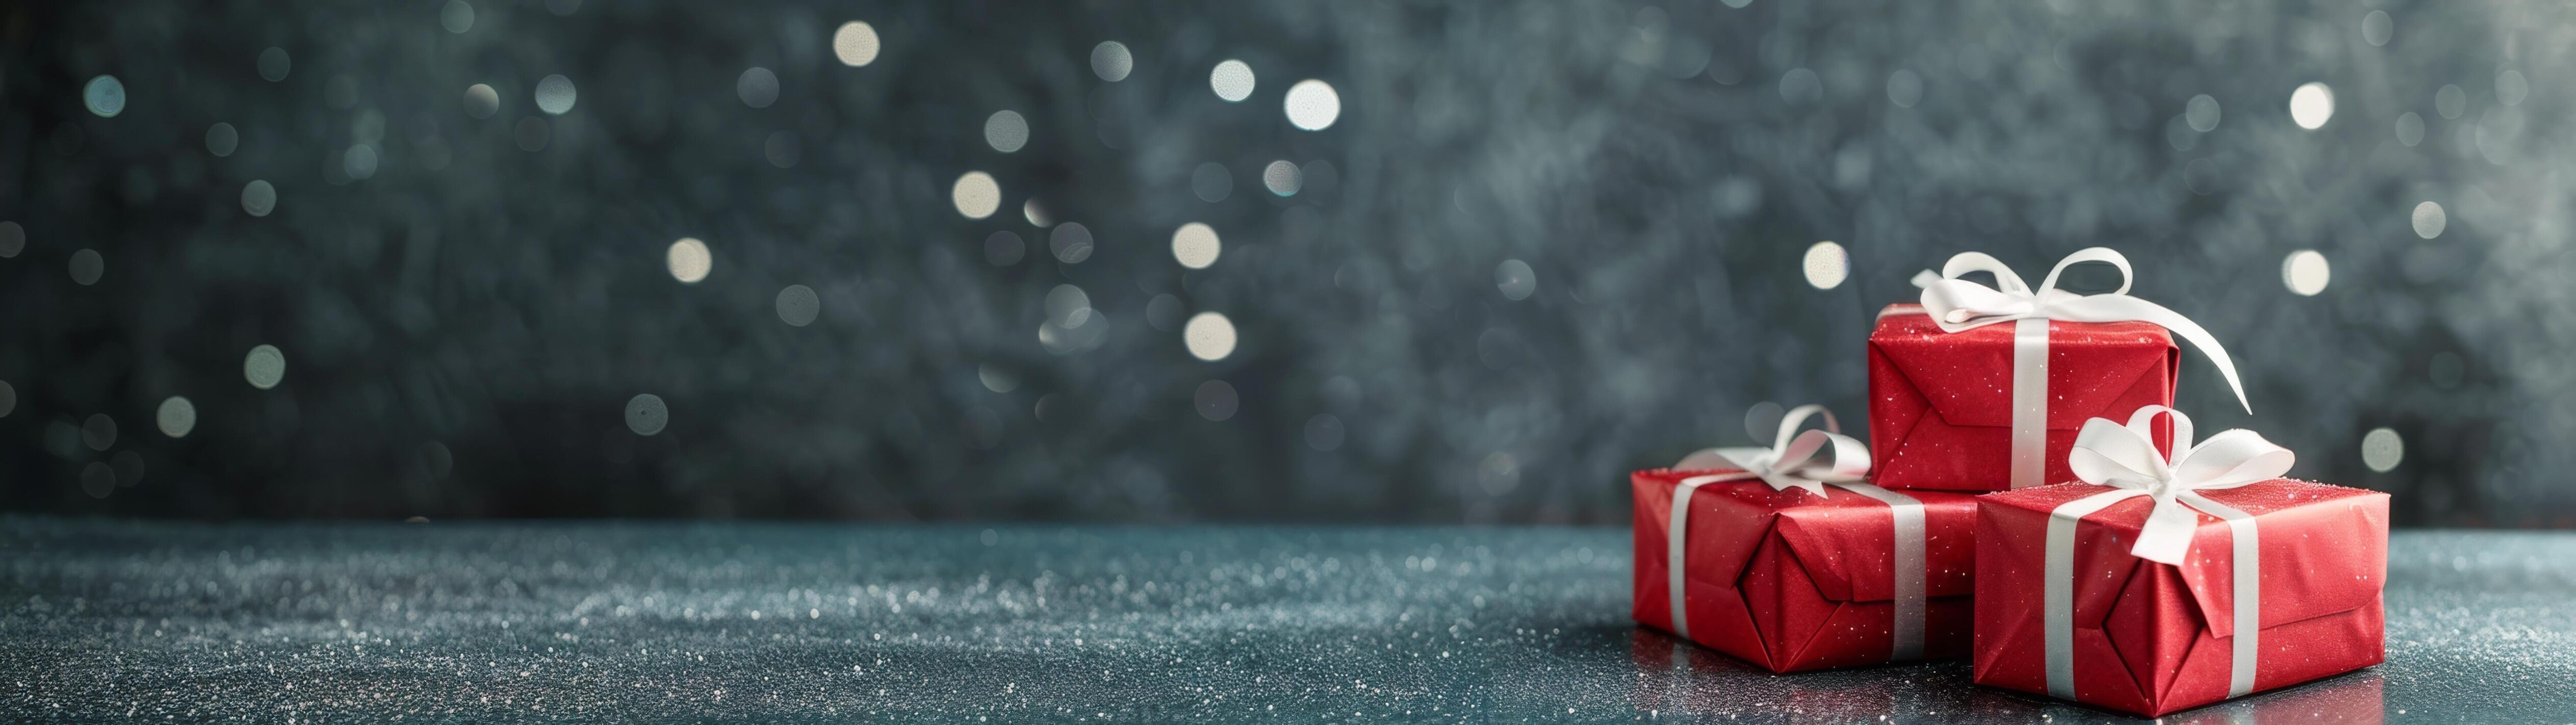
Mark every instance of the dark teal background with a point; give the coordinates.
(465, 328)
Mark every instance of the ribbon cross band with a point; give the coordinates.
(1958, 305)
(1792, 462)
(2125, 459)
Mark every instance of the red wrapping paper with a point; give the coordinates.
(1791, 581)
(1940, 403)
(2155, 638)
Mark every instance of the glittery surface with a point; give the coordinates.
(598, 622)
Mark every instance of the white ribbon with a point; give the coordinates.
(1791, 462)
(2125, 458)
(1957, 304)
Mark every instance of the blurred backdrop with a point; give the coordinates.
(1258, 261)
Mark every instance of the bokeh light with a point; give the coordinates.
(2429, 220)
(1003, 248)
(1312, 105)
(105, 96)
(1209, 336)
(757, 87)
(1232, 80)
(689, 260)
(98, 480)
(1515, 279)
(2450, 101)
(2305, 272)
(1827, 265)
(2410, 129)
(996, 379)
(1801, 85)
(176, 416)
(2382, 450)
(555, 95)
(855, 43)
(782, 149)
(259, 197)
(2312, 105)
(1904, 88)
(1006, 131)
(481, 101)
(1211, 183)
(13, 239)
(221, 139)
(798, 305)
(1498, 474)
(128, 466)
(2447, 370)
(1195, 245)
(976, 195)
(2377, 27)
(274, 64)
(359, 162)
(1072, 325)
(2511, 87)
(1282, 178)
(264, 367)
(1324, 432)
(1216, 400)
(1067, 306)
(87, 266)
(1111, 61)
(98, 432)
(1071, 242)
(646, 414)
(8, 398)
(2202, 113)
(457, 16)
(532, 133)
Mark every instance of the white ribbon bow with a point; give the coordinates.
(2125, 457)
(1791, 461)
(1957, 304)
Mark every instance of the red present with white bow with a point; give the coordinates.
(1960, 401)
(1787, 558)
(2166, 582)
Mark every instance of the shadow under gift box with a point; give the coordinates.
(1790, 581)
(2151, 638)
(1941, 403)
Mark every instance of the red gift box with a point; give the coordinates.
(1789, 580)
(1941, 403)
(2151, 638)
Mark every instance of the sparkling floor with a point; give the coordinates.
(175, 622)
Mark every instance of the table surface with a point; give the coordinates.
(181, 622)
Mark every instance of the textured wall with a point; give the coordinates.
(1542, 243)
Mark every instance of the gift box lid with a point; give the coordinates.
(1966, 376)
(2319, 558)
(1843, 540)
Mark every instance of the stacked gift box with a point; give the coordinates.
(2029, 499)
